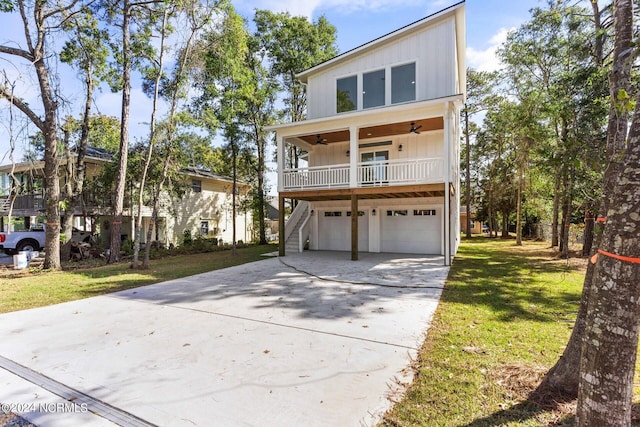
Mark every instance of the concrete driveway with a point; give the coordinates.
(311, 339)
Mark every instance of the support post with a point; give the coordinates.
(280, 160)
(281, 242)
(353, 157)
(447, 179)
(354, 227)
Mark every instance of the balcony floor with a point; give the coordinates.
(387, 192)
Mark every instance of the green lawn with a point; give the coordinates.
(504, 317)
(37, 289)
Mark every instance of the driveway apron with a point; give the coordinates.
(311, 339)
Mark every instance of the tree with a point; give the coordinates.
(610, 343)
(292, 45)
(228, 85)
(39, 21)
(198, 15)
(563, 376)
(479, 86)
(123, 15)
(86, 50)
(153, 75)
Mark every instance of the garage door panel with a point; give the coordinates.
(406, 231)
(335, 231)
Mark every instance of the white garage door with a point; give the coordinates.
(334, 229)
(416, 231)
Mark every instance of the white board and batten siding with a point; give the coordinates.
(433, 49)
(414, 146)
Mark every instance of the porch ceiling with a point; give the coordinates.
(392, 192)
(390, 129)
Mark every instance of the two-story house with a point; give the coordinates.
(205, 210)
(381, 169)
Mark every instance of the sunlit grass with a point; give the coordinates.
(45, 288)
(502, 306)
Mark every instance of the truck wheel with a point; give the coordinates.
(27, 245)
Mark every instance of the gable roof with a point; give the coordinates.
(203, 173)
(456, 10)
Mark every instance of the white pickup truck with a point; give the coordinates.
(33, 240)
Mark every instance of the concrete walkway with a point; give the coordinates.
(311, 339)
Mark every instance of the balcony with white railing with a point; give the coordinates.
(316, 177)
(369, 174)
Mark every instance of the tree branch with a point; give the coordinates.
(144, 3)
(18, 103)
(60, 10)
(27, 28)
(17, 52)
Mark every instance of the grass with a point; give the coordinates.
(504, 318)
(37, 288)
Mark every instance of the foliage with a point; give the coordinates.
(543, 131)
(293, 44)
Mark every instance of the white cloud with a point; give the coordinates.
(487, 59)
(308, 7)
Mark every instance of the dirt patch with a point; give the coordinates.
(521, 383)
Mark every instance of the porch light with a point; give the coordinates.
(400, 147)
(373, 212)
(348, 153)
(312, 212)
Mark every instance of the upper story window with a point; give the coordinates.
(373, 89)
(377, 88)
(196, 185)
(347, 94)
(403, 83)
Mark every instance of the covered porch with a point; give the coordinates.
(400, 152)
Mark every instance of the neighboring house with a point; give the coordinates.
(29, 202)
(476, 226)
(205, 210)
(272, 217)
(382, 138)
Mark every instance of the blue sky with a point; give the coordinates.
(357, 22)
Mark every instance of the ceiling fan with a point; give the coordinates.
(320, 140)
(414, 129)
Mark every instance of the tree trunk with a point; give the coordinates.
(556, 211)
(566, 216)
(611, 338)
(505, 225)
(234, 250)
(49, 130)
(589, 228)
(121, 174)
(261, 212)
(519, 206)
(67, 219)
